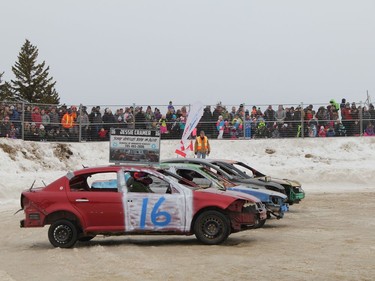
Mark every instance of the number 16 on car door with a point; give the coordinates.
(154, 212)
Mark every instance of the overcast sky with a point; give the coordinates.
(153, 51)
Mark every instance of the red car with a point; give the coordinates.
(119, 199)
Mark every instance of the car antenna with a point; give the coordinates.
(17, 211)
(84, 166)
(44, 183)
(31, 187)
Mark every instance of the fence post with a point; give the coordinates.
(243, 121)
(360, 120)
(80, 123)
(302, 123)
(23, 121)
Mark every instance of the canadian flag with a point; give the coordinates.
(194, 115)
(183, 148)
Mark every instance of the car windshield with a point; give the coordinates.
(250, 171)
(233, 171)
(200, 176)
(223, 181)
(178, 178)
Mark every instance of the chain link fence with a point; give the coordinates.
(80, 123)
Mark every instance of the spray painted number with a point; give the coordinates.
(155, 214)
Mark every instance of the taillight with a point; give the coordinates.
(34, 216)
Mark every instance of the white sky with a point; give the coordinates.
(150, 52)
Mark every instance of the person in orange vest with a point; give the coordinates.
(67, 121)
(202, 146)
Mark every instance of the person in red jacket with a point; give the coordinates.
(36, 117)
(322, 132)
(347, 119)
(102, 134)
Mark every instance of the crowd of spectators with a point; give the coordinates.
(72, 123)
(334, 119)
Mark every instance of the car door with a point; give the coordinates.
(101, 205)
(164, 210)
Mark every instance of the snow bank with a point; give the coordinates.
(321, 165)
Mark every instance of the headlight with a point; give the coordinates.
(275, 200)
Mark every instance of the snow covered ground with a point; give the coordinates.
(317, 239)
(320, 164)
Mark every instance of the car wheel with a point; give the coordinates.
(212, 227)
(63, 234)
(86, 238)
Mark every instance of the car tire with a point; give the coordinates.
(62, 234)
(212, 227)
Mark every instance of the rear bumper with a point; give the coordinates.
(32, 220)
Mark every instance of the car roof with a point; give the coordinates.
(228, 164)
(113, 168)
(117, 167)
(230, 161)
(197, 167)
(199, 162)
(240, 163)
(190, 165)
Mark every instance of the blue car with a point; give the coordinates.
(275, 201)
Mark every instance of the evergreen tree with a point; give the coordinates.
(32, 83)
(5, 89)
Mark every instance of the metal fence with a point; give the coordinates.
(70, 123)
